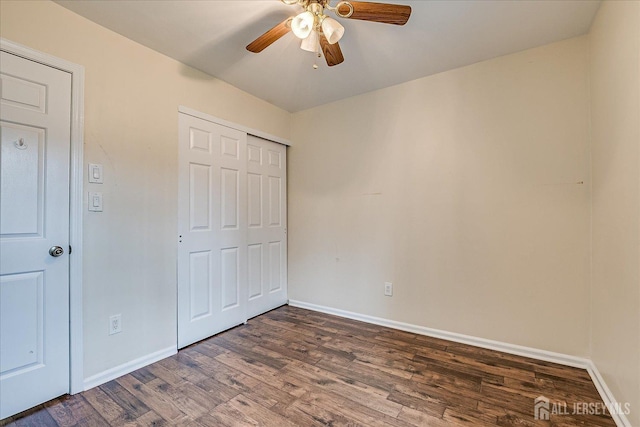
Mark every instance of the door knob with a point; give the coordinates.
(56, 251)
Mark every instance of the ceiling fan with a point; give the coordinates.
(318, 31)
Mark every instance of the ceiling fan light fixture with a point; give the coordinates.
(310, 44)
(332, 30)
(302, 25)
(328, 31)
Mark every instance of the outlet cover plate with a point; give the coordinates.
(388, 289)
(115, 324)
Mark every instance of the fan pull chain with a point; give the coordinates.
(315, 63)
(318, 55)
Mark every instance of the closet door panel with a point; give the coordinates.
(267, 174)
(212, 236)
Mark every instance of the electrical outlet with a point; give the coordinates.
(388, 289)
(115, 324)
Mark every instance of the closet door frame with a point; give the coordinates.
(249, 131)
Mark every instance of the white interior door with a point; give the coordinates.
(35, 113)
(212, 217)
(267, 222)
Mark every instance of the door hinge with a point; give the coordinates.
(70, 250)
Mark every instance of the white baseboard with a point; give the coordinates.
(620, 419)
(549, 356)
(125, 368)
(534, 353)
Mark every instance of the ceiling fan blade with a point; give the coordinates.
(386, 13)
(332, 52)
(268, 38)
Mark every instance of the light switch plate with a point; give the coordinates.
(95, 173)
(95, 202)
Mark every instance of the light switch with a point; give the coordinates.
(95, 173)
(95, 202)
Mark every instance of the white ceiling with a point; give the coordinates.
(440, 35)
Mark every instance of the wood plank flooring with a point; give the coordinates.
(293, 367)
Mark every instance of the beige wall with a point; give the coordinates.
(132, 96)
(615, 122)
(465, 189)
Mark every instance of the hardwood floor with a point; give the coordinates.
(293, 367)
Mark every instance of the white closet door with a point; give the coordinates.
(267, 222)
(212, 218)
